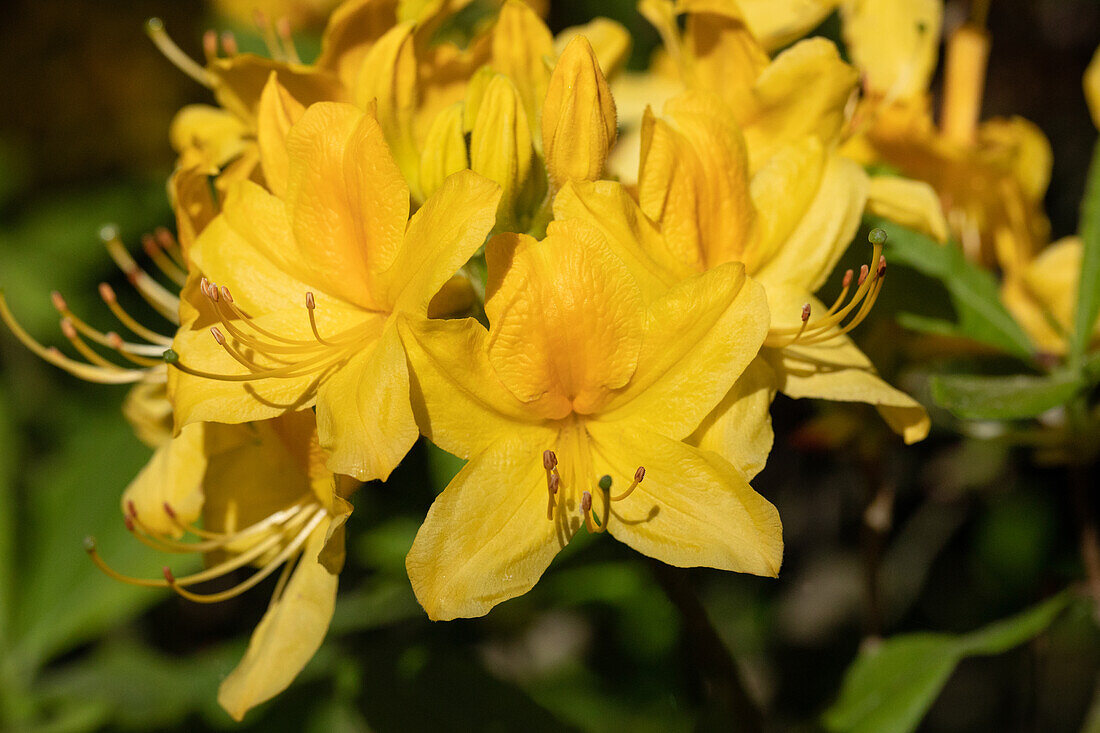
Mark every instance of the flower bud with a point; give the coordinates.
(501, 149)
(578, 119)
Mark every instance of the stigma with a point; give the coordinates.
(274, 542)
(844, 314)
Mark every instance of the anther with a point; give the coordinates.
(639, 474)
(169, 510)
(549, 460)
(586, 502)
(310, 302)
(68, 329)
(229, 43)
(210, 44)
(553, 484)
(805, 312)
(149, 244)
(217, 335)
(882, 265)
(226, 294)
(847, 279)
(114, 340)
(58, 302)
(862, 274)
(107, 293)
(169, 576)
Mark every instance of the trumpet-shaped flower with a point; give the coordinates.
(299, 292)
(699, 208)
(571, 409)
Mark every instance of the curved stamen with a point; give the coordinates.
(154, 27)
(70, 333)
(255, 578)
(172, 271)
(164, 302)
(108, 296)
(283, 30)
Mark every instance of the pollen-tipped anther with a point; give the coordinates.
(847, 279)
(586, 502)
(882, 265)
(229, 44)
(210, 44)
(805, 312)
(311, 303)
(107, 293)
(639, 474)
(217, 335)
(863, 271)
(549, 460)
(58, 301)
(225, 294)
(68, 329)
(169, 576)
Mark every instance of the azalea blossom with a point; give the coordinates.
(571, 408)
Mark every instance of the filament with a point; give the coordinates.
(154, 27)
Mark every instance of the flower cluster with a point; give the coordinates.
(588, 284)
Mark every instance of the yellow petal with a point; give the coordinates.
(239, 82)
(694, 181)
(251, 250)
(740, 428)
(520, 46)
(809, 253)
(895, 44)
(347, 200)
(218, 136)
(502, 151)
(912, 204)
(486, 537)
(804, 91)
(459, 403)
(192, 200)
(442, 235)
(776, 23)
(721, 54)
(699, 337)
(389, 78)
(965, 63)
(1092, 87)
(578, 118)
(635, 240)
(610, 41)
(353, 28)
(692, 509)
(837, 370)
(148, 410)
(287, 637)
(1042, 296)
(174, 475)
(364, 418)
(566, 318)
(277, 114)
(444, 150)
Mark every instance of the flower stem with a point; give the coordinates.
(719, 679)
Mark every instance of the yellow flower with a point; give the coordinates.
(262, 491)
(788, 223)
(265, 499)
(571, 409)
(990, 177)
(300, 292)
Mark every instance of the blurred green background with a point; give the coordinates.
(607, 641)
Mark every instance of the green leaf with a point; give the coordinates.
(1015, 397)
(889, 688)
(1088, 289)
(974, 294)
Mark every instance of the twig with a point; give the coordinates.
(719, 677)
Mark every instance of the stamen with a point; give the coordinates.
(154, 293)
(210, 45)
(229, 43)
(311, 305)
(79, 344)
(255, 578)
(87, 372)
(169, 244)
(107, 294)
(162, 261)
(282, 28)
(638, 476)
(154, 28)
(586, 507)
(869, 285)
(268, 34)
